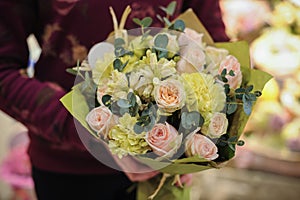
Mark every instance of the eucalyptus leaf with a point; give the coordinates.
(170, 9)
(106, 100)
(178, 25)
(138, 129)
(137, 21)
(117, 64)
(247, 105)
(167, 21)
(240, 90)
(161, 41)
(119, 42)
(123, 103)
(231, 107)
(249, 88)
(231, 73)
(146, 22)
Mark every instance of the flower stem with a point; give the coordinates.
(161, 183)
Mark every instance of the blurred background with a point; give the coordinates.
(268, 165)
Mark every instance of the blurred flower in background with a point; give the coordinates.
(244, 18)
(272, 134)
(15, 168)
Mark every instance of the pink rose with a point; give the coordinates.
(200, 145)
(164, 140)
(231, 63)
(100, 119)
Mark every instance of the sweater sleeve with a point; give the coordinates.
(209, 13)
(32, 102)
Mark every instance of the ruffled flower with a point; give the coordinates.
(123, 140)
(210, 95)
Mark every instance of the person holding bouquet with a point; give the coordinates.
(62, 168)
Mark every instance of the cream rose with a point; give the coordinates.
(192, 59)
(197, 144)
(164, 140)
(190, 36)
(100, 119)
(218, 125)
(169, 95)
(231, 63)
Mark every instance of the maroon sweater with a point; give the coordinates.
(65, 30)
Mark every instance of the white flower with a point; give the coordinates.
(192, 59)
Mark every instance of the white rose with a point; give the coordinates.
(192, 59)
(190, 36)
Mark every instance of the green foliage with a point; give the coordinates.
(71, 71)
(191, 120)
(145, 22)
(170, 9)
(161, 41)
(178, 25)
(119, 42)
(106, 100)
(118, 65)
(147, 120)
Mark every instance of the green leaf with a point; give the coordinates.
(231, 146)
(71, 71)
(249, 88)
(224, 72)
(193, 159)
(240, 90)
(227, 88)
(146, 22)
(167, 21)
(123, 111)
(106, 100)
(159, 18)
(161, 41)
(117, 64)
(233, 139)
(240, 143)
(119, 42)
(138, 129)
(179, 25)
(131, 98)
(120, 51)
(247, 105)
(137, 21)
(231, 73)
(257, 93)
(231, 107)
(123, 103)
(170, 9)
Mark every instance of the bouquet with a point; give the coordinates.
(168, 98)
